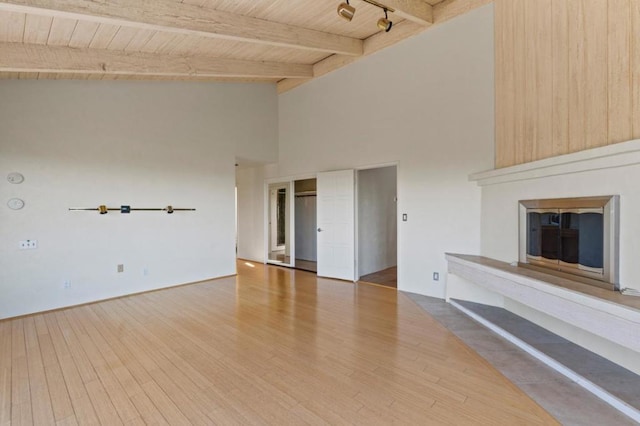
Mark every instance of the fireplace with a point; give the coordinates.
(578, 236)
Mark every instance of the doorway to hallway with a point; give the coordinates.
(377, 227)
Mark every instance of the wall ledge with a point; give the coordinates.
(614, 317)
(606, 157)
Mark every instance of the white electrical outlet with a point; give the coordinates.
(145, 271)
(436, 276)
(67, 284)
(28, 244)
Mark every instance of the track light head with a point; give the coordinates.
(384, 23)
(346, 11)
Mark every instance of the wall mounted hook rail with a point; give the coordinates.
(103, 209)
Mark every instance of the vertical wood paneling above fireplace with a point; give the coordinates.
(567, 76)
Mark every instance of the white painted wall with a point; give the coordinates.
(251, 232)
(427, 104)
(377, 219)
(82, 144)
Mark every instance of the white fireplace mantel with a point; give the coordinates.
(606, 157)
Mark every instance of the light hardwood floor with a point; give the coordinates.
(270, 346)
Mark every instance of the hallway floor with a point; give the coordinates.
(387, 277)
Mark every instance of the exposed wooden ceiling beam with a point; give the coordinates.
(449, 9)
(373, 44)
(19, 57)
(171, 16)
(417, 11)
(442, 12)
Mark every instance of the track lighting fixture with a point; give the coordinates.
(384, 23)
(346, 11)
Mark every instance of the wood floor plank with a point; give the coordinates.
(81, 404)
(137, 421)
(82, 362)
(149, 412)
(307, 416)
(183, 396)
(85, 413)
(42, 409)
(133, 367)
(103, 406)
(5, 372)
(123, 406)
(228, 410)
(5, 396)
(67, 421)
(20, 392)
(60, 400)
(165, 356)
(164, 404)
(270, 346)
(331, 414)
(21, 414)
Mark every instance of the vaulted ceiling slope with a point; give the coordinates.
(289, 42)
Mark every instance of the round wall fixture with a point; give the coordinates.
(15, 204)
(15, 177)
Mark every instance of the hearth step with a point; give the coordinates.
(610, 382)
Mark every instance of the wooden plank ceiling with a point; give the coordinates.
(288, 42)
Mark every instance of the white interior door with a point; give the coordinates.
(336, 225)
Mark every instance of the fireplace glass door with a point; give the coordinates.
(568, 238)
(580, 236)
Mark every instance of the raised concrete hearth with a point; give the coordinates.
(603, 321)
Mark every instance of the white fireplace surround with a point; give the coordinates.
(613, 169)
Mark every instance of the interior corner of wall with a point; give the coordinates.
(459, 288)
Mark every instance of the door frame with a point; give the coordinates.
(357, 213)
(273, 208)
(290, 180)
